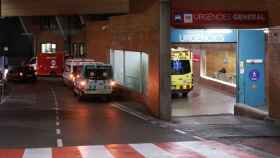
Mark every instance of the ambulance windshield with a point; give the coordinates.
(180, 67)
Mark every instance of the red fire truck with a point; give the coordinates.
(50, 64)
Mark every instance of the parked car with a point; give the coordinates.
(32, 63)
(21, 73)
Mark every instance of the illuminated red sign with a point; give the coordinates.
(182, 19)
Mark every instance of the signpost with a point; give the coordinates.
(254, 75)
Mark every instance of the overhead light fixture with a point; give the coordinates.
(266, 30)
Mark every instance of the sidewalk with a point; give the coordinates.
(211, 126)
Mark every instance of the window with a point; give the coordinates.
(77, 69)
(180, 67)
(130, 69)
(67, 68)
(79, 50)
(99, 73)
(48, 48)
(219, 62)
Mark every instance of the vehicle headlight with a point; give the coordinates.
(71, 76)
(20, 74)
(6, 72)
(83, 83)
(113, 83)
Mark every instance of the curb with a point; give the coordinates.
(245, 110)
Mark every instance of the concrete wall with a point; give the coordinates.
(62, 7)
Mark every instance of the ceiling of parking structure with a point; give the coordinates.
(62, 7)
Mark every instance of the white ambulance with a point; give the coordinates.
(72, 68)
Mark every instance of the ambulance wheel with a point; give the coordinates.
(185, 94)
(107, 98)
(75, 94)
(175, 95)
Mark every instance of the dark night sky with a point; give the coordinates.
(20, 46)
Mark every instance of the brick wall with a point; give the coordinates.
(140, 32)
(273, 73)
(98, 37)
(236, 5)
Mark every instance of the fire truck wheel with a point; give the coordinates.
(53, 74)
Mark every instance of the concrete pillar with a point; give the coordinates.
(165, 90)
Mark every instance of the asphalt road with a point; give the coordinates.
(47, 114)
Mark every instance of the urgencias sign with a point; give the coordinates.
(203, 19)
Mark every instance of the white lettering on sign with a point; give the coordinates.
(201, 38)
(248, 17)
(213, 17)
(219, 18)
(254, 61)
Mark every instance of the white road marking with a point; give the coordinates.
(38, 153)
(55, 98)
(151, 151)
(57, 123)
(180, 131)
(59, 143)
(122, 108)
(199, 138)
(95, 151)
(206, 150)
(58, 131)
